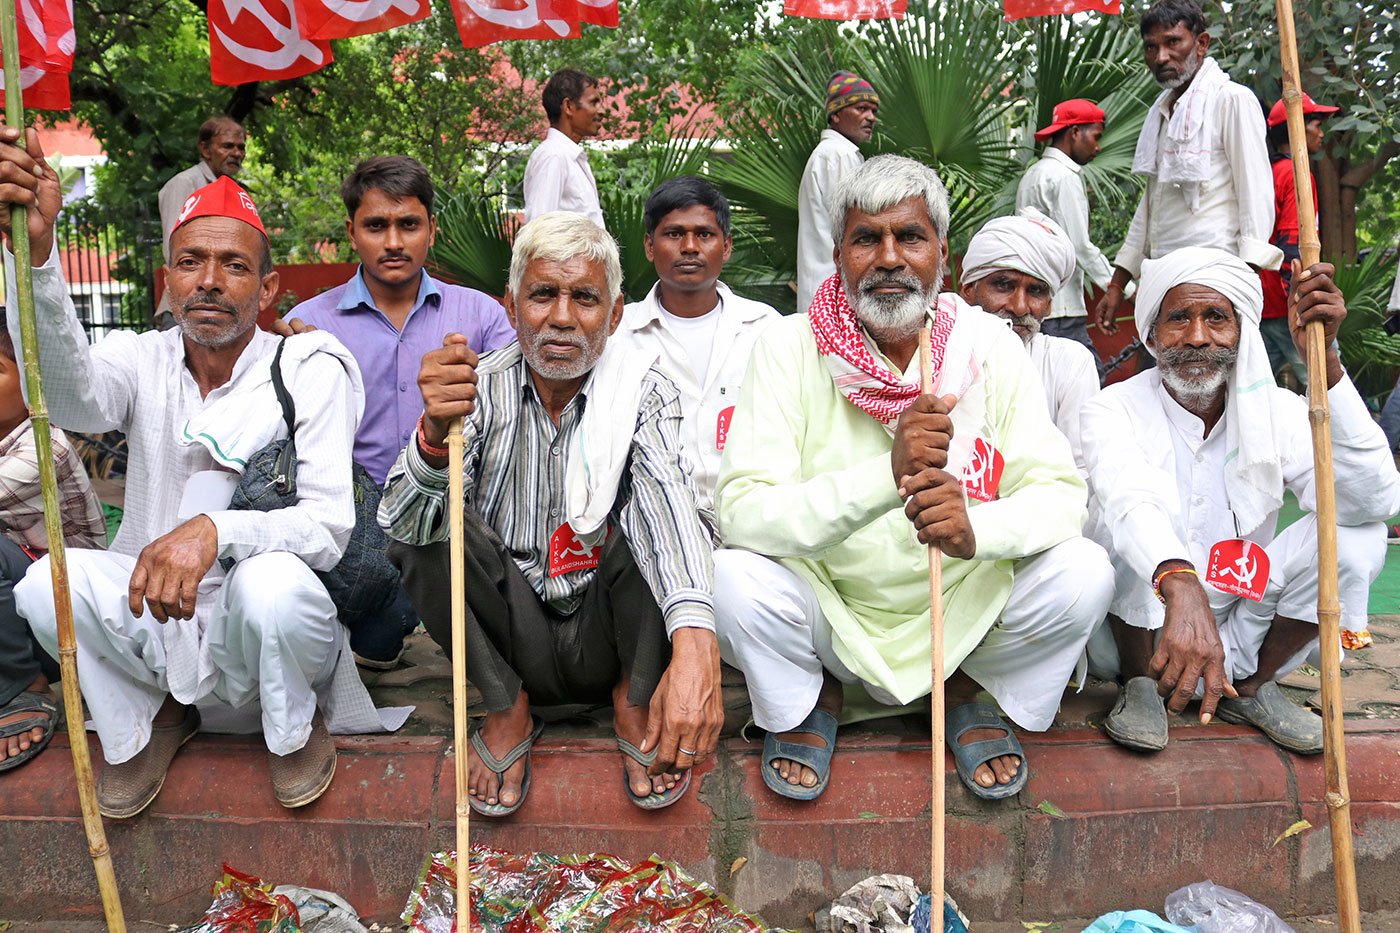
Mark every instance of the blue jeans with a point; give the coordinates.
(379, 637)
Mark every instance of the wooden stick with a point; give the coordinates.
(457, 555)
(53, 516)
(1328, 612)
(935, 610)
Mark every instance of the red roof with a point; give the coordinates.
(70, 138)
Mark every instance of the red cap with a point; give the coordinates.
(1074, 112)
(223, 198)
(1278, 114)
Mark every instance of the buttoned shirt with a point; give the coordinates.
(1236, 209)
(514, 465)
(1054, 185)
(22, 499)
(834, 157)
(389, 358)
(1070, 378)
(558, 178)
(707, 403)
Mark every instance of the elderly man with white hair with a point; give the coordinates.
(1189, 463)
(837, 475)
(1013, 268)
(588, 571)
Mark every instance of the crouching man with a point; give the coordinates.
(1188, 463)
(588, 571)
(838, 473)
(160, 624)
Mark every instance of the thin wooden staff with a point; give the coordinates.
(53, 517)
(457, 554)
(935, 617)
(1328, 612)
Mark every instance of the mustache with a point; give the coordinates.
(1219, 357)
(881, 279)
(202, 297)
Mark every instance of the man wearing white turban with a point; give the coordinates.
(1013, 268)
(1188, 463)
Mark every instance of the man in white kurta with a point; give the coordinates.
(1188, 463)
(703, 333)
(1012, 268)
(1204, 154)
(834, 479)
(851, 109)
(160, 624)
(558, 176)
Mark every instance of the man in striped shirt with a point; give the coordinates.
(588, 571)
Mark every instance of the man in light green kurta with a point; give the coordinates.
(837, 472)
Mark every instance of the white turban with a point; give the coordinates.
(1028, 242)
(1254, 474)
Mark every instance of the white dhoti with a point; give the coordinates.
(771, 627)
(266, 633)
(1291, 593)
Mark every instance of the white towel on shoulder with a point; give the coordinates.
(1184, 157)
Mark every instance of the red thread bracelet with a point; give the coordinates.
(424, 446)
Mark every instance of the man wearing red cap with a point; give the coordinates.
(1278, 339)
(851, 107)
(161, 623)
(1054, 186)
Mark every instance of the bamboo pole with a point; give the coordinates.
(53, 518)
(1328, 613)
(457, 555)
(937, 724)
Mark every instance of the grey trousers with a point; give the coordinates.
(21, 658)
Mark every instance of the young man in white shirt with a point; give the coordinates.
(558, 177)
(702, 331)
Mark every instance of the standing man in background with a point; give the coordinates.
(1054, 185)
(851, 106)
(557, 177)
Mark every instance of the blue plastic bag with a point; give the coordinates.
(953, 920)
(1134, 921)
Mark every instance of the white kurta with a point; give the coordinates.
(834, 157)
(707, 404)
(558, 178)
(1236, 210)
(1394, 303)
(1054, 185)
(141, 386)
(1070, 379)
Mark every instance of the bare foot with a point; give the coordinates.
(13, 745)
(630, 723)
(830, 700)
(501, 732)
(959, 690)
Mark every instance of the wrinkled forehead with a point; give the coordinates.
(912, 210)
(1192, 296)
(575, 273)
(217, 234)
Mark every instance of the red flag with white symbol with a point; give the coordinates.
(46, 45)
(482, 22)
(1240, 567)
(341, 19)
(846, 9)
(259, 40)
(982, 478)
(1020, 9)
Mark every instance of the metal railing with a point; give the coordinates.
(110, 259)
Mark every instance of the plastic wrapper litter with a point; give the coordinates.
(1209, 908)
(537, 893)
(245, 904)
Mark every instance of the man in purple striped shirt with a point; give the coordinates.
(389, 315)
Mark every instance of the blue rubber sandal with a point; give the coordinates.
(44, 715)
(501, 766)
(819, 723)
(652, 801)
(969, 757)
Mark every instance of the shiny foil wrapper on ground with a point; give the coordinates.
(538, 893)
(245, 904)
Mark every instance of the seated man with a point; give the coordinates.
(1013, 268)
(27, 711)
(703, 332)
(838, 472)
(388, 315)
(1189, 462)
(588, 571)
(160, 624)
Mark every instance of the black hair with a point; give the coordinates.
(567, 84)
(681, 192)
(1278, 136)
(396, 176)
(1165, 14)
(210, 127)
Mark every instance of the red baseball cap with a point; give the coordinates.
(1071, 113)
(223, 198)
(1278, 114)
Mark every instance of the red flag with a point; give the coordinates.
(46, 44)
(1020, 9)
(341, 19)
(258, 40)
(846, 9)
(482, 22)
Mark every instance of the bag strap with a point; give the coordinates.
(285, 480)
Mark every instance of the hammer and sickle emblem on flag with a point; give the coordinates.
(362, 11)
(290, 46)
(526, 17)
(190, 203)
(982, 478)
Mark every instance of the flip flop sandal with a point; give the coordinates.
(652, 801)
(501, 766)
(28, 702)
(819, 723)
(969, 757)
